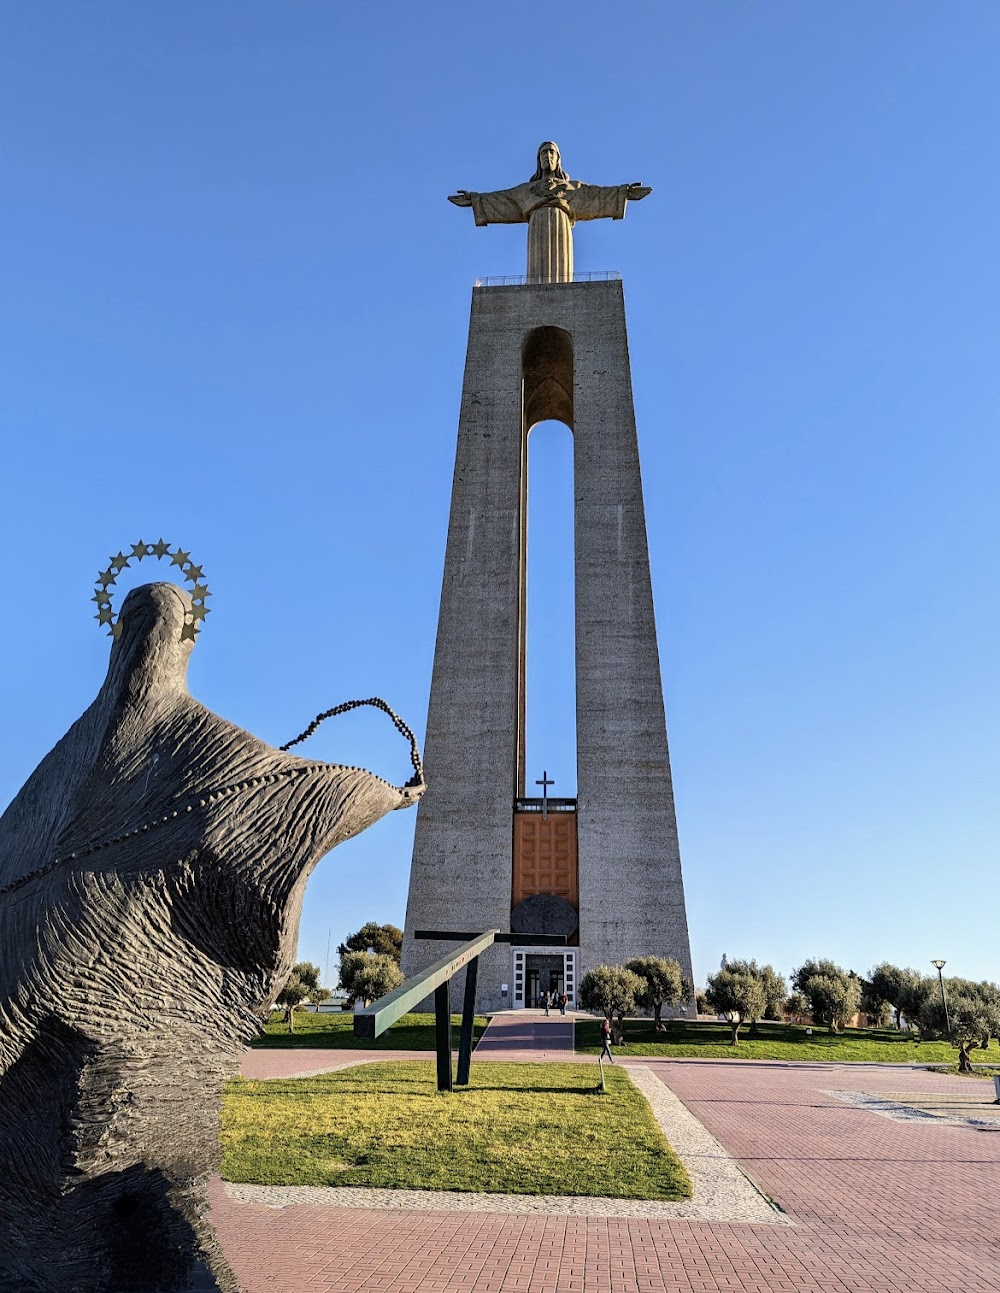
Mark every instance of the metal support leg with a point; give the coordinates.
(468, 1022)
(442, 1034)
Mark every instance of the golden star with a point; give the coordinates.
(193, 572)
(199, 592)
(100, 597)
(188, 631)
(199, 611)
(119, 563)
(105, 615)
(161, 549)
(180, 558)
(105, 579)
(139, 549)
(116, 629)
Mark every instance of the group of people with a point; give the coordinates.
(559, 999)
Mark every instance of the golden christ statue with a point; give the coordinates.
(551, 203)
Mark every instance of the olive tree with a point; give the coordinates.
(302, 985)
(613, 991)
(972, 1017)
(738, 994)
(834, 996)
(385, 940)
(663, 984)
(772, 985)
(987, 995)
(775, 990)
(892, 984)
(366, 976)
(966, 1020)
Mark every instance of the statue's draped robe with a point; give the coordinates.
(152, 871)
(550, 207)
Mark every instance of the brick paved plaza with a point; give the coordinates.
(877, 1204)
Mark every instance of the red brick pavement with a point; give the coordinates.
(307, 1060)
(879, 1205)
(527, 1035)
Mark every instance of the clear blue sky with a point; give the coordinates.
(234, 313)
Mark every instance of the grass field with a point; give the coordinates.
(777, 1042)
(518, 1128)
(412, 1033)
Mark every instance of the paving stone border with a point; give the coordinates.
(901, 1112)
(722, 1190)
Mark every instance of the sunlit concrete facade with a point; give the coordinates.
(540, 351)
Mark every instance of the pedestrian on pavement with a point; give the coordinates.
(548, 1001)
(563, 1000)
(606, 1041)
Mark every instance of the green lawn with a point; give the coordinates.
(776, 1042)
(412, 1033)
(518, 1128)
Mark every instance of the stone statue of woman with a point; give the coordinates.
(551, 203)
(152, 872)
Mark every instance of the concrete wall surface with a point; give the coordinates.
(631, 890)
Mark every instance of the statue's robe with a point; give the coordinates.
(152, 872)
(550, 207)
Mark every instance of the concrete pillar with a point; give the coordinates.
(631, 891)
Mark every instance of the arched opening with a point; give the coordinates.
(547, 372)
(547, 717)
(549, 731)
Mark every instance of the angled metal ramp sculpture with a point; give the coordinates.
(373, 1021)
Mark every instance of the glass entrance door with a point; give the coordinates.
(538, 972)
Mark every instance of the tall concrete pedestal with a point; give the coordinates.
(540, 351)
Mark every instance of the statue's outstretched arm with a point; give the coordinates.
(505, 206)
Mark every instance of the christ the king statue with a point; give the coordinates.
(551, 203)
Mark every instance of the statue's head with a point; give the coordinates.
(549, 163)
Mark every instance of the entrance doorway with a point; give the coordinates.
(536, 973)
(543, 974)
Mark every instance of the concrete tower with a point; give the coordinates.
(604, 868)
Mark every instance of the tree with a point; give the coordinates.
(833, 995)
(750, 1005)
(612, 990)
(663, 984)
(892, 984)
(990, 993)
(383, 940)
(302, 985)
(775, 991)
(701, 1003)
(738, 994)
(968, 1016)
(973, 1013)
(874, 1006)
(366, 976)
(913, 996)
(796, 1007)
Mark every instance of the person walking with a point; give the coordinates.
(606, 1041)
(563, 1001)
(548, 1001)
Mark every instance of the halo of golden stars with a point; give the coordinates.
(193, 575)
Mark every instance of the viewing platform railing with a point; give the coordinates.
(522, 280)
(534, 805)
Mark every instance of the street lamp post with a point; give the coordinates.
(939, 966)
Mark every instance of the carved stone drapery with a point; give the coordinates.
(152, 871)
(551, 203)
